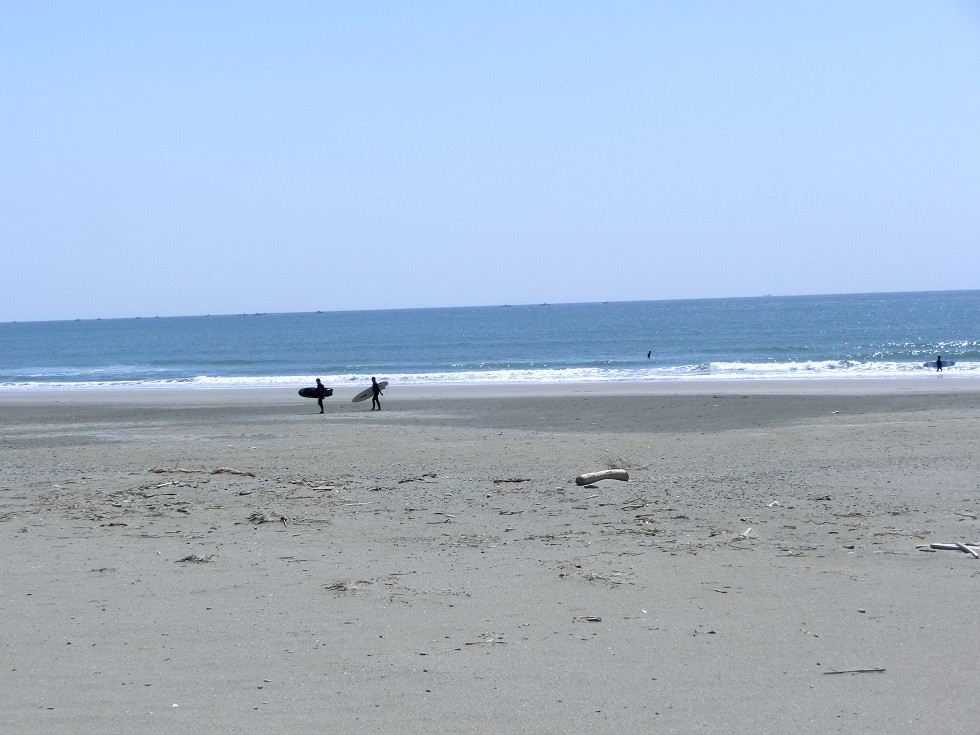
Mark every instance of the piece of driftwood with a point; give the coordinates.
(589, 477)
(970, 549)
(232, 471)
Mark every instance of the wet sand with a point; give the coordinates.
(231, 561)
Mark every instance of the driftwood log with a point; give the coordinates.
(589, 477)
(970, 549)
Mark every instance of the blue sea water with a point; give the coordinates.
(847, 336)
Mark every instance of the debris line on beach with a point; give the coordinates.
(203, 471)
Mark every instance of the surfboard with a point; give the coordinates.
(313, 393)
(946, 364)
(367, 392)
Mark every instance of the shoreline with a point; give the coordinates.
(806, 386)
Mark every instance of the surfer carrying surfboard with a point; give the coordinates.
(375, 395)
(321, 393)
(939, 363)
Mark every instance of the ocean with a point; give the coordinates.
(765, 338)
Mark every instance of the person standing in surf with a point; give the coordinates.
(939, 363)
(375, 395)
(321, 393)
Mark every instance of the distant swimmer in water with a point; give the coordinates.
(375, 393)
(649, 353)
(939, 363)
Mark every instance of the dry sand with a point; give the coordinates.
(232, 562)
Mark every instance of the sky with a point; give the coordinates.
(185, 157)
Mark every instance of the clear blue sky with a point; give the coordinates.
(169, 158)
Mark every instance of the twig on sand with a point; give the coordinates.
(232, 471)
(856, 671)
(511, 479)
(427, 477)
(587, 619)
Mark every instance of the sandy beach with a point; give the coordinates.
(189, 561)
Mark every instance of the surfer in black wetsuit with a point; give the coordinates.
(321, 393)
(375, 393)
(939, 363)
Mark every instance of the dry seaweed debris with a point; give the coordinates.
(620, 463)
(196, 559)
(258, 517)
(203, 471)
(425, 477)
(343, 586)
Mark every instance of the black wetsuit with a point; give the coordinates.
(321, 393)
(375, 393)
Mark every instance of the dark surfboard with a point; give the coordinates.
(315, 392)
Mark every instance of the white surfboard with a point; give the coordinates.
(368, 392)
